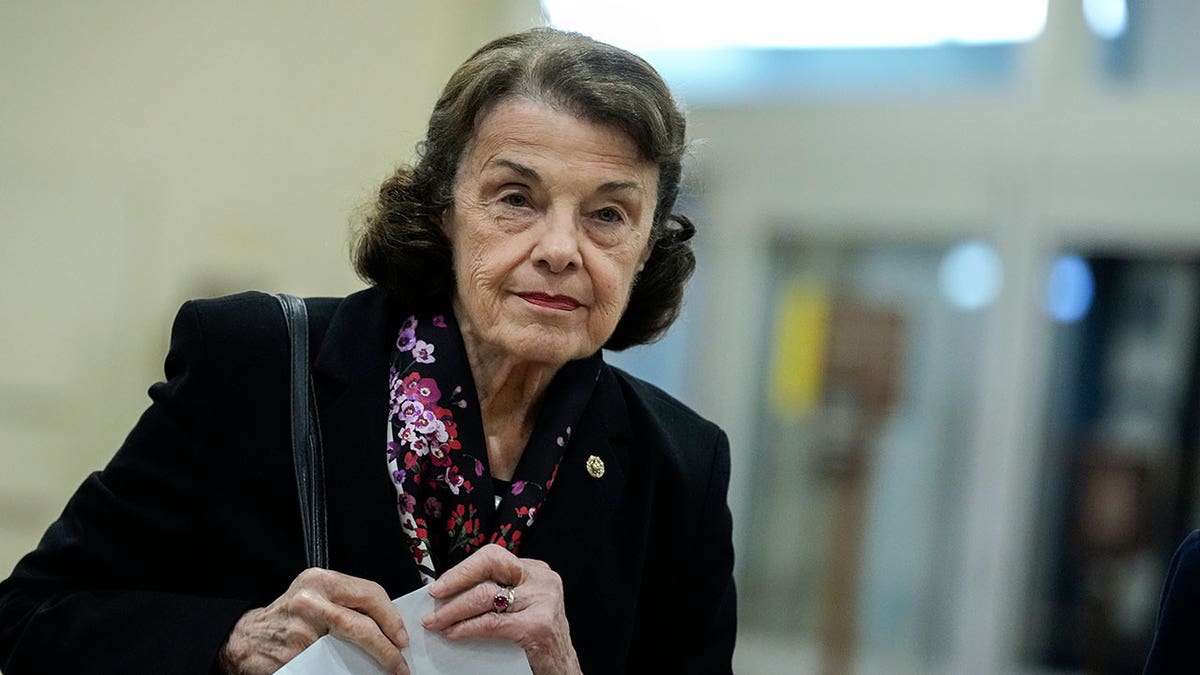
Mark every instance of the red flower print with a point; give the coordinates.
(423, 389)
(453, 479)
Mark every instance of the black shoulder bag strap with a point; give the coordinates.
(306, 435)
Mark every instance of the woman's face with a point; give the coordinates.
(550, 224)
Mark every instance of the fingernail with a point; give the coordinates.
(435, 588)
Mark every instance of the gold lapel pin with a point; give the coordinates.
(595, 466)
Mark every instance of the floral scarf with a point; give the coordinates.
(437, 456)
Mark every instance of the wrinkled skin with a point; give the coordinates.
(318, 602)
(536, 620)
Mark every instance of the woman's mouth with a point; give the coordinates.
(560, 302)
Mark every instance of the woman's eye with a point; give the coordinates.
(608, 215)
(515, 199)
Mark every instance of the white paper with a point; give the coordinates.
(428, 653)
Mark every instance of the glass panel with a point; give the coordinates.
(865, 422)
(1160, 44)
(1119, 468)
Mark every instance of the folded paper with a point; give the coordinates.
(428, 653)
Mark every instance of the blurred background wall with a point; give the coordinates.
(151, 152)
(946, 304)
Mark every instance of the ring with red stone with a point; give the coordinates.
(504, 599)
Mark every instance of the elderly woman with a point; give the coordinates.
(474, 439)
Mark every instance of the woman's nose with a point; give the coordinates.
(557, 247)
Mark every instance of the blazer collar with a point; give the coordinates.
(351, 378)
(575, 515)
(355, 344)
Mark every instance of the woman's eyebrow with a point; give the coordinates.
(520, 169)
(531, 175)
(620, 186)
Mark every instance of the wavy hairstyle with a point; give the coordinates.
(402, 248)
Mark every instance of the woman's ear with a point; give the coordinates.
(644, 257)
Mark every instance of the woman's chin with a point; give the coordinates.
(539, 344)
(552, 354)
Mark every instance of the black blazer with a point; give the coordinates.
(1178, 628)
(195, 520)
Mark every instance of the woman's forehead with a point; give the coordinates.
(521, 134)
(538, 129)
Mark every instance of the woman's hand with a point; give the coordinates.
(319, 601)
(536, 619)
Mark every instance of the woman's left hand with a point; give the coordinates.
(535, 620)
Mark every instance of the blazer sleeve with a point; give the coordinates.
(113, 585)
(709, 597)
(696, 614)
(1174, 646)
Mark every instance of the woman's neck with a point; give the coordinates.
(510, 395)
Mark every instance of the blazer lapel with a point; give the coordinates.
(351, 379)
(577, 511)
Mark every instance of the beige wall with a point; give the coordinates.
(151, 152)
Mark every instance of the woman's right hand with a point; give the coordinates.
(319, 601)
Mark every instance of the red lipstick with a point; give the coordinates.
(560, 302)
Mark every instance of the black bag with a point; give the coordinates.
(306, 435)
